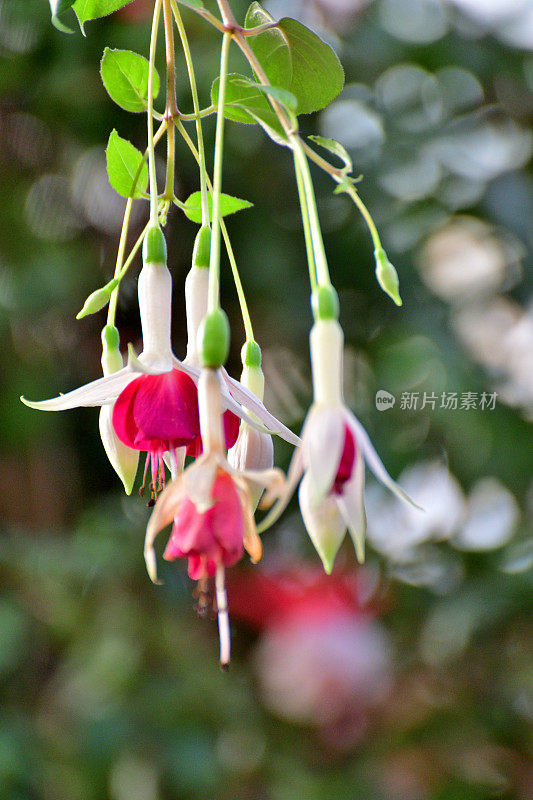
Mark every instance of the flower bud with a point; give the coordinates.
(214, 339)
(387, 275)
(253, 450)
(98, 299)
(123, 459)
(202, 248)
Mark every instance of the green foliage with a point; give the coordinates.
(87, 10)
(228, 205)
(245, 103)
(337, 149)
(125, 76)
(128, 175)
(296, 59)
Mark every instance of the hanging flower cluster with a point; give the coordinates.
(173, 410)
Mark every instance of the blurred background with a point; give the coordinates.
(410, 678)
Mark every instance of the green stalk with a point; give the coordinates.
(308, 200)
(197, 113)
(112, 309)
(151, 146)
(231, 255)
(214, 256)
(306, 226)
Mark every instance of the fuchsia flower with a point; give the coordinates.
(210, 508)
(335, 447)
(155, 396)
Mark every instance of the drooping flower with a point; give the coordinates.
(210, 508)
(163, 385)
(335, 448)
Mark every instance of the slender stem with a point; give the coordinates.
(235, 271)
(171, 109)
(151, 146)
(204, 112)
(214, 256)
(196, 106)
(112, 310)
(134, 251)
(308, 199)
(354, 194)
(171, 146)
(307, 229)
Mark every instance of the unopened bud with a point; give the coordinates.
(123, 459)
(111, 356)
(387, 275)
(154, 246)
(214, 339)
(202, 248)
(98, 299)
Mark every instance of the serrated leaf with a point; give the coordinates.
(245, 103)
(58, 7)
(228, 205)
(337, 149)
(124, 166)
(93, 9)
(125, 77)
(314, 75)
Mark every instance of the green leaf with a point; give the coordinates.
(125, 76)
(92, 9)
(245, 103)
(296, 59)
(337, 149)
(58, 7)
(124, 164)
(228, 205)
(282, 96)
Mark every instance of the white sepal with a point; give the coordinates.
(324, 523)
(123, 459)
(252, 451)
(351, 504)
(97, 393)
(248, 399)
(370, 456)
(323, 441)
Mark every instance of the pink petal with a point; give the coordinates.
(346, 463)
(158, 412)
(216, 535)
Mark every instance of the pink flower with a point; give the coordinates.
(335, 447)
(159, 414)
(210, 508)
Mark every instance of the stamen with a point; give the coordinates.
(223, 619)
(141, 490)
(202, 593)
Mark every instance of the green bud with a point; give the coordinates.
(251, 354)
(110, 337)
(325, 303)
(154, 246)
(202, 248)
(98, 299)
(111, 355)
(213, 339)
(387, 275)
